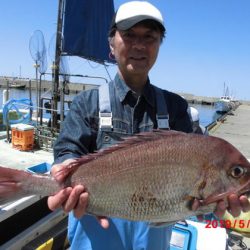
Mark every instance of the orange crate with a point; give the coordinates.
(22, 137)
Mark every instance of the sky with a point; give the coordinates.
(207, 44)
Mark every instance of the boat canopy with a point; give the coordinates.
(86, 26)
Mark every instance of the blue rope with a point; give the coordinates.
(15, 105)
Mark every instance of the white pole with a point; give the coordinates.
(5, 96)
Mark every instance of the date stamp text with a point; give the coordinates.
(228, 223)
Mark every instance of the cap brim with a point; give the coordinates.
(130, 22)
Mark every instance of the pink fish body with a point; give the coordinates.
(149, 177)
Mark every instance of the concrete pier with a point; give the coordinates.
(235, 128)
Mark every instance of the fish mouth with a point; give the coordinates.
(243, 190)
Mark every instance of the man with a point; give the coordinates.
(136, 106)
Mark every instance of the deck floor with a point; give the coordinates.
(14, 158)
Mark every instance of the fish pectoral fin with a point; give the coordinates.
(194, 194)
(197, 190)
(162, 224)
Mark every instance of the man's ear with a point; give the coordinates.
(111, 46)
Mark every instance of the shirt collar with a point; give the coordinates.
(121, 87)
(123, 90)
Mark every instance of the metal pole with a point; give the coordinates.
(37, 95)
(55, 85)
(20, 71)
(7, 119)
(8, 86)
(30, 97)
(62, 101)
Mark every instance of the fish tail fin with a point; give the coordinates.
(15, 184)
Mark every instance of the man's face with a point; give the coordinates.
(136, 49)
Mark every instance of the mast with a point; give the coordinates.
(56, 65)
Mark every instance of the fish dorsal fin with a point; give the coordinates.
(128, 142)
(154, 135)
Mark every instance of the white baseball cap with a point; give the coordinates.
(133, 12)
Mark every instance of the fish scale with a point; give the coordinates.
(126, 198)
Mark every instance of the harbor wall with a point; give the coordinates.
(77, 87)
(46, 85)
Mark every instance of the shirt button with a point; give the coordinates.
(106, 138)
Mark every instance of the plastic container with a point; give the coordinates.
(40, 168)
(22, 136)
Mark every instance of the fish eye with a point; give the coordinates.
(237, 171)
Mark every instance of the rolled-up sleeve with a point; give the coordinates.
(76, 137)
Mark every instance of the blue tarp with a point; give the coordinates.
(86, 25)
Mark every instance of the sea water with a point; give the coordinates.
(207, 113)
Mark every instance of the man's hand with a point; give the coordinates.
(69, 198)
(234, 206)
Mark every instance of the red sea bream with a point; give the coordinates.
(152, 177)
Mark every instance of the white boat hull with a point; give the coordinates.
(222, 106)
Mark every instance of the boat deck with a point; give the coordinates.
(14, 158)
(38, 228)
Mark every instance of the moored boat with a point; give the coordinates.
(15, 85)
(223, 105)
